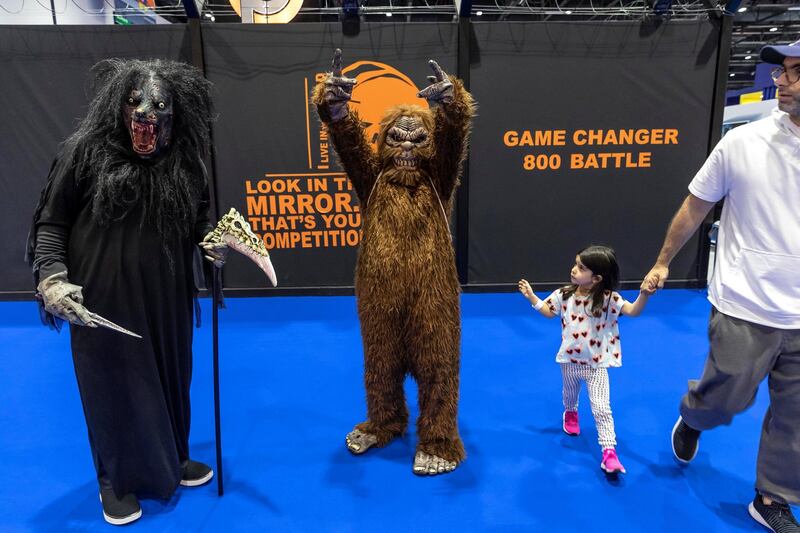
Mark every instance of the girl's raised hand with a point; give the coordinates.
(525, 288)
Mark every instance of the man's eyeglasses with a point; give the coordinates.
(792, 75)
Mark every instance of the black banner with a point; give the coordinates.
(273, 159)
(45, 75)
(588, 134)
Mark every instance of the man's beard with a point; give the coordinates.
(792, 108)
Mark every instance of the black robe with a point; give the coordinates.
(135, 392)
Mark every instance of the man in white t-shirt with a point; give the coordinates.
(754, 329)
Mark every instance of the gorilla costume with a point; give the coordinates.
(406, 282)
(115, 233)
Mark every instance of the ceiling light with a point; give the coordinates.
(731, 75)
(748, 57)
(479, 13)
(773, 29)
(568, 12)
(742, 9)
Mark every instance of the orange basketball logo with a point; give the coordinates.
(379, 87)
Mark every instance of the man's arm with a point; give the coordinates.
(685, 222)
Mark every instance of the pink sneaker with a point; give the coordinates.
(611, 464)
(570, 423)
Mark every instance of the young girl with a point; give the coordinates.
(589, 309)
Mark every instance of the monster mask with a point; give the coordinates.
(408, 142)
(147, 113)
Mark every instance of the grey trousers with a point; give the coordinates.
(741, 355)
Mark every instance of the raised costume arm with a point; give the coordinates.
(454, 109)
(344, 127)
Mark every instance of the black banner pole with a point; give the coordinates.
(725, 25)
(215, 290)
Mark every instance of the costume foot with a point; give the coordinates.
(431, 465)
(195, 474)
(358, 441)
(119, 511)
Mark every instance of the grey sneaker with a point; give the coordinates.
(775, 517)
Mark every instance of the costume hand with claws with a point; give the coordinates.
(234, 231)
(64, 299)
(406, 283)
(338, 91)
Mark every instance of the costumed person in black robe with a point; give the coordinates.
(115, 233)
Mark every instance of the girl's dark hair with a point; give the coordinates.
(602, 261)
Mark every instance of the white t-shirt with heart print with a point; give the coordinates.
(586, 339)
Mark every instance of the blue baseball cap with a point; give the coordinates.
(776, 54)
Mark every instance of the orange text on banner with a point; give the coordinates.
(545, 159)
(310, 210)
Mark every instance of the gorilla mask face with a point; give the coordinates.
(147, 113)
(409, 142)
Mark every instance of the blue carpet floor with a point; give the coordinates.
(292, 388)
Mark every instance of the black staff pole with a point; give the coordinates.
(216, 292)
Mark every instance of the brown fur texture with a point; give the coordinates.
(406, 282)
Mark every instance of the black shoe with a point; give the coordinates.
(775, 517)
(119, 511)
(195, 474)
(684, 441)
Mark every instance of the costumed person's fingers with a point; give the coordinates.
(70, 317)
(336, 93)
(340, 81)
(79, 311)
(426, 92)
(75, 293)
(437, 91)
(336, 64)
(221, 246)
(437, 70)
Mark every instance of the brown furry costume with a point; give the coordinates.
(406, 283)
